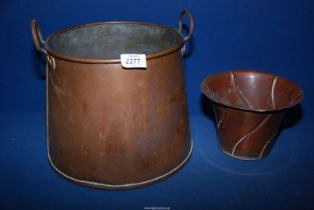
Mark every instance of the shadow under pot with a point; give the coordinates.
(249, 107)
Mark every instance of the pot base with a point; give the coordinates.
(99, 185)
(242, 157)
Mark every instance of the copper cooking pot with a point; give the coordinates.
(111, 127)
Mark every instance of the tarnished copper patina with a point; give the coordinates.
(111, 127)
(249, 107)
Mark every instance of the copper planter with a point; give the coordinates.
(107, 126)
(249, 107)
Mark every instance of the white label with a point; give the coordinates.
(133, 60)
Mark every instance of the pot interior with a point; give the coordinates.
(109, 40)
(252, 91)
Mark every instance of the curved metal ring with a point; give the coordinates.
(39, 42)
(186, 11)
(51, 61)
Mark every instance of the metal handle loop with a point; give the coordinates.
(39, 42)
(186, 11)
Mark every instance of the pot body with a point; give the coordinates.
(114, 128)
(109, 126)
(245, 134)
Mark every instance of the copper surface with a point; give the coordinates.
(249, 107)
(113, 128)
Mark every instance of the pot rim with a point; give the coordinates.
(94, 60)
(299, 98)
